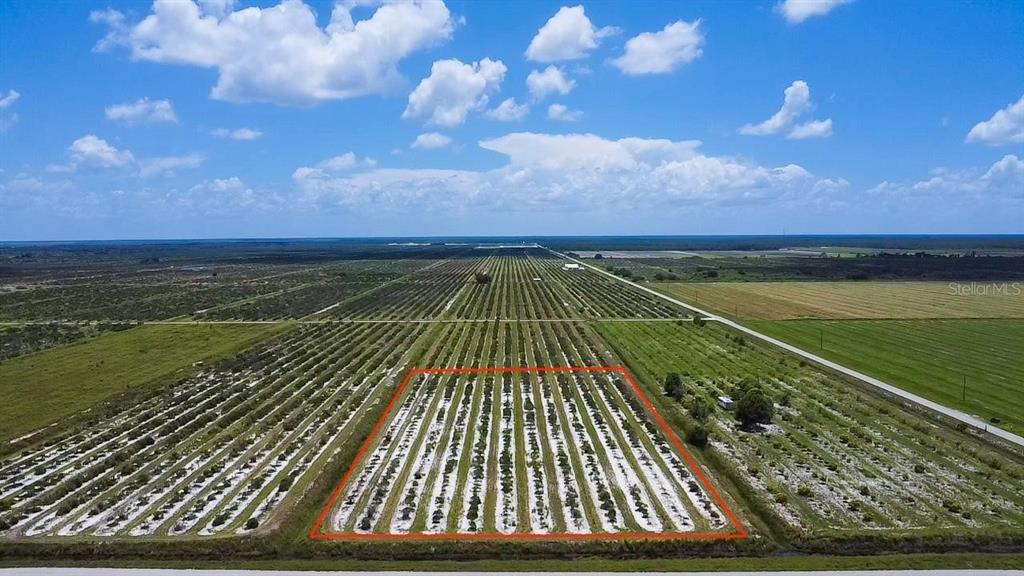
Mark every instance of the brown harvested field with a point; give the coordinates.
(841, 300)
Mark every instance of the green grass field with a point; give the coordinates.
(927, 357)
(46, 386)
(843, 300)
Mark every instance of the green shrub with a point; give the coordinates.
(673, 385)
(700, 409)
(754, 407)
(697, 435)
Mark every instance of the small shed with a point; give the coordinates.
(725, 402)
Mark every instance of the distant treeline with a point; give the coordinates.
(873, 241)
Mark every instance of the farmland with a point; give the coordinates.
(529, 450)
(973, 365)
(957, 344)
(52, 384)
(842, 300)
(836, 459)
(216, 453)
(779, 262)
(286, 397)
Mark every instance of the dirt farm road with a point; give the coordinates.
(889, 388)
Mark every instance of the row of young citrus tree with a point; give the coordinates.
(535, 284)
(218, 453)
(823, 455)
(512, 451)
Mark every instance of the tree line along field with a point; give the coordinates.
(253, 443)
(819, 264)
(512, 452)
(974, 365)
(836, 459)
(845, 300)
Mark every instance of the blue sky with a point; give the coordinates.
(172, 120)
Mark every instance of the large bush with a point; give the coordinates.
(754, 407)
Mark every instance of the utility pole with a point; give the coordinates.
(821, 340)
(965, 387)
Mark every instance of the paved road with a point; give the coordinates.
(895, 390)
(180, 572)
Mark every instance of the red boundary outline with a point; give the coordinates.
(741, 531)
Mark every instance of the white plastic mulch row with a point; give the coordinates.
(568, 488)
(626, 477)
(423, 462)
(472, 517)
(445, 484)
(608, 512)
(409, 415)
(507, 517)
(669, 494)
(536, 456)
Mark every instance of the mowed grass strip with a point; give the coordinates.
(840, 300)
(931, 358)
(46, 386)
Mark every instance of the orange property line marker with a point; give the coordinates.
(740, 532)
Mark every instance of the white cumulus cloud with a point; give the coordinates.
(339, 163)
(453, 89)
(280, 54)
(9, 99)
(508, 111)
(1005, 127)
(217, 195)
(576, 172)
(811, 129)
(563, 113)
(220, 184)
(142, 111)
(237, 133)
(344, 161)
(549, 81)
(1004, 180)
(8, 119)
(568, 35)
(90, 150)
(430, 141)
(796, 11)
(168, 165)
(663, 51)
(796, 101)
